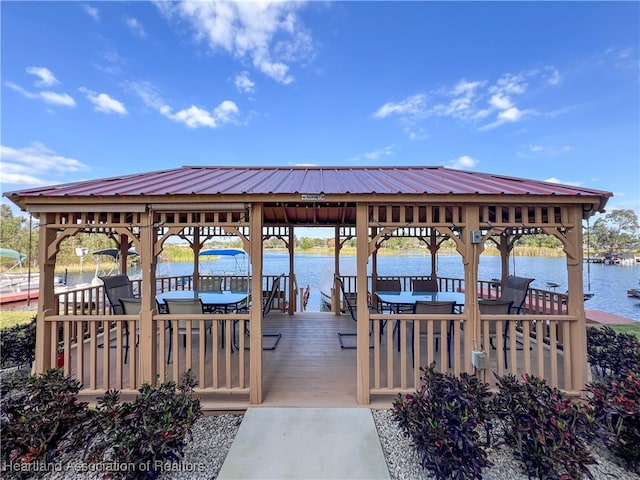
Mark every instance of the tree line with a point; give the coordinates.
(616, 232)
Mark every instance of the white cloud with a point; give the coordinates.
(19, 165)
(61, 99)
(544, 151)
(375, 155)
(553, 76)
(388, 151)
(46, 77)
(463, 98)
(104, 103)
(511, 115)
(500, 102)
(413, 106)
(465, 162)
(622, 58)
(477, 103)
(149, 95)
(135, 26)
(561, 182)
(268, 33)
(194, 117)
(509, 84)
(244, 83)
(92, 12)
(416, 134)
(21, 90)
(226, 112)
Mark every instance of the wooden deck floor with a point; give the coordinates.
(308, 368)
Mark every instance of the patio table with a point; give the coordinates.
(398, 300)
(404, 301)
(211, 300)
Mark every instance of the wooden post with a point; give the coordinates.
(123, 253)
(196, 246)
(575, 303)
(292, 289)
(148, 335)
(255, 340)
(433, 248)
(471, 261)
(362, 252)
(336, 298)
(46, 300)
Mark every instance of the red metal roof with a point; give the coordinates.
(209, 180)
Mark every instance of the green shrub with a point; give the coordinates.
(36, 418)
(612, 353)
(147, 432)
(616, 408)
(545, 429)
(18, 344)
(442, 419)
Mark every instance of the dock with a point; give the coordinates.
(606, 318)
(17, 297)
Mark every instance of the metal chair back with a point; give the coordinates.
(131, 306)
(210, 284)
(266, 308)
(515, 290)
(388, 285)
(434, 308)
(425, 285)
(117, 287)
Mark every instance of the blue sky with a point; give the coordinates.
(539, 90)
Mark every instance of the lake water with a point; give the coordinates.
(608, 283)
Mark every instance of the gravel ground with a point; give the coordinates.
(404, 463)
(402, 460)
(213, 435)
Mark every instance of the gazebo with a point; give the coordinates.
(370, 204)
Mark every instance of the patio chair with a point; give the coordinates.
(387, 285)
(130, 306)
(210, 284)
(497, 307)
(390, 285)
(434, 308)
(266, 308)
(183, 307)
(237, 284)
(353, 311)
(515, 290)
(425, 285)
(267, 305)
(117, 287)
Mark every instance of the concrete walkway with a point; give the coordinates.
(305, 443)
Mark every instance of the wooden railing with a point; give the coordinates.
(536, 344)
(110, 361)
(99, 348)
